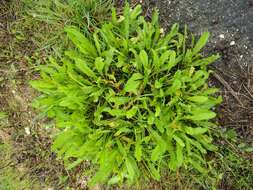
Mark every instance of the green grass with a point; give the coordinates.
(42, 21)
(10, 178)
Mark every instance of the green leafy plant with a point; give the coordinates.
(132, 100)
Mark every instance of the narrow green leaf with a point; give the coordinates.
(131, 113)
(99, 64)
(83, 44)
(197, 166)
(132, 168)
(82, 66)
(138, 151)
(144, 60)
(136, 12)
(178, 140)
(172, 61)
(195, 131)
(198, 99)
(179, 154)
(205, 115)
(201, 43)
(154, 172)
(3, 115)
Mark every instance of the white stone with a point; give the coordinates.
(27, 130)
(222, 36)
(232, 43)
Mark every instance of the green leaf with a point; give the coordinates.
(195, 131)
(138, 151)
(41, 85)
(83, 44)
(198, 99)
(105, 170)
(172, 61)
(158, 84)
(197, 166)
(114, 180)
(133, 83)
(99, 64)
(201, 43)
(97, 43)
(157, 110)
(176, 85)
(3, 115)
(164, 57)
(154, 172)
(178, 140)
(201, 115)
(123, 130)
(131, 113)
(144, 59)
(136, 12)
(157, 152)
(74, 164)
(82, 66)
(119, 100)
(179, 154)
(132, 168)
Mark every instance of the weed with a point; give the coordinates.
(130, 100)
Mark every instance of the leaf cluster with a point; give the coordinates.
(132, 100)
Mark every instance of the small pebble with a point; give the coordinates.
(27, 131)
(232, 43)
(222, 36)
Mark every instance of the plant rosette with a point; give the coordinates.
(131, 100)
